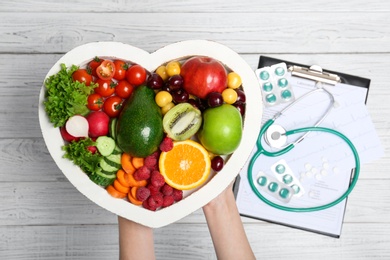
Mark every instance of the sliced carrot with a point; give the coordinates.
(133, 191)
(121, 176)
(133, 182)
(119, 187)
(115, 193)
(127, 165)
(138, 162)
(133, 200)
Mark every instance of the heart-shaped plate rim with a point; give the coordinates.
(176, 51)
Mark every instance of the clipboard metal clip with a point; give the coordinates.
(315, 73)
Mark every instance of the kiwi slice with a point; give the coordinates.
(182, 121)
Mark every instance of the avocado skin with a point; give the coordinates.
(139, 128)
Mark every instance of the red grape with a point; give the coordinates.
(217, 163)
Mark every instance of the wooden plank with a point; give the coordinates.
(59, 203)
(192, 241)
(292, 33)
(193, 6)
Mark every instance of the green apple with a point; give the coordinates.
(221, 130)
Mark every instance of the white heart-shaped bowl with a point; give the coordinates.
(178, 51)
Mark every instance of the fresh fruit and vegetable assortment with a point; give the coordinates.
(147, 136)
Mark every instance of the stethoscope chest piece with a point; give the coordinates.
(275, 136)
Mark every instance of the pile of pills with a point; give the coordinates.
(274, 83)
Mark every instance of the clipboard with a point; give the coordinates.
(265, 61)
(315, 73)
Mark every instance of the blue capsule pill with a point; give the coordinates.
(282, 82)
(286, 94)
(296, 188)
(271, 98)
(279, 71)
(267, 87)
(262, 181)
(280, 168)
(284, 193)
(273, 186)
(264, 75)
(287, 178)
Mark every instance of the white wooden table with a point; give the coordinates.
(42, 216)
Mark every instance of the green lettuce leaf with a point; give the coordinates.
(64, 97)
(77, 151)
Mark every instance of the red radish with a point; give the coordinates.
(66, 136)
(98, 123)
(77, 126)
(92, 149)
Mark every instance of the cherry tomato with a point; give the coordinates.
(105, 88)
(136, 75)
(106, 70)
(95, 102)
(82, 75)
(112, 106)
(120, 69)
(124, 89)
(93, 64)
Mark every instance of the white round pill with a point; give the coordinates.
(308, 166)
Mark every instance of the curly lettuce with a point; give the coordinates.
(78, 152)
(65, 97)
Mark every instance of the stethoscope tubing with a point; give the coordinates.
(261, 150)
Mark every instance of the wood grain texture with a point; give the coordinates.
(191, 6)
(192, 241)
(42, 216)
(275, 32)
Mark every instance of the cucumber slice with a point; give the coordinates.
(103, 178)
(112, 127)
(117, 150)
(114, 160)
(105, 145)
(106, 167)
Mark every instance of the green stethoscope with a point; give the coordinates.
(276, 136)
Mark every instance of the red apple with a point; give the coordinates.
(202, 75)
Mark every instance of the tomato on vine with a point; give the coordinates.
(93, 64)
(106, 70)
(105, 88)
(120, 69)
(124, 89)
(95, 102)
(82, 75)
(112, 106)
(136, 75)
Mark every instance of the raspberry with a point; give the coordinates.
(156, 154)
(166, 190)
(157, 179)
(146, 205)
(156, 200)
(177, 194)
(150, 161)
(168, 201)
(166, 145)
(142, 173)
(142, 193)
(153, 189)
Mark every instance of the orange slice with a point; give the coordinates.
(186, 166)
